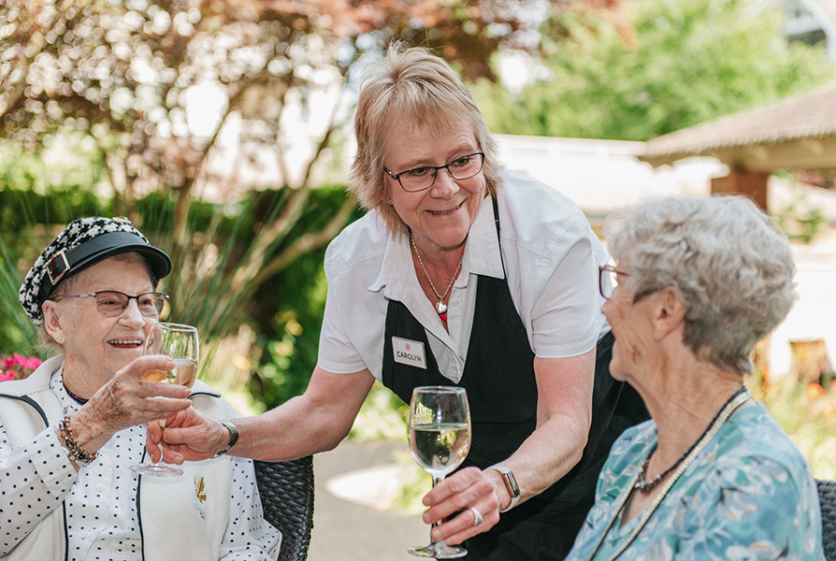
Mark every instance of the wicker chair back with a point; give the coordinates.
(827, 498)
(287, 496)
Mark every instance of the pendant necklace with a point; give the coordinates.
(440, 306)
(735, 401)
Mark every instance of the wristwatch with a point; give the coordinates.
(233, 437)
(510, 484)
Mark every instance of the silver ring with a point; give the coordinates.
(477, 515)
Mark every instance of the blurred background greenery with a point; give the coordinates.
(222, 130)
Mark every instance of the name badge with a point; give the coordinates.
(409, 352)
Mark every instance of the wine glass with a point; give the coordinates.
(179, 342)
(439, 439)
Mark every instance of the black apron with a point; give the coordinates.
(502, 393)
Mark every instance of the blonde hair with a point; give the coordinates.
(416, 87)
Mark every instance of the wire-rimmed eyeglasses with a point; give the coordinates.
(111, 303)
(422, 178)
(608, 280)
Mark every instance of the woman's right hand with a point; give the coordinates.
(188, 436)
(127, 401)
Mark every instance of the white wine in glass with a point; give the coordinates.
(439, 439)
(184, 373)
(180, 343)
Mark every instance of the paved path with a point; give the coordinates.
(346, 531)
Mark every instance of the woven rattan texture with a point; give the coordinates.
(827, 498)
(287, 495)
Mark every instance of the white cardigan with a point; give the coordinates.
(175, 525)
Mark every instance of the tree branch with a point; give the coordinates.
(307, 243)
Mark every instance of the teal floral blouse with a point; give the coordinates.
(749, 495)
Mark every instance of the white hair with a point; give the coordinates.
(732, 265)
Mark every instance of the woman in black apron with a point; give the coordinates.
(423, 280)
(503, 415)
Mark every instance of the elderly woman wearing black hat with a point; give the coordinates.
(70, 431)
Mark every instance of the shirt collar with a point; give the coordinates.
(396, 262)
(481, 256)
(57, 385)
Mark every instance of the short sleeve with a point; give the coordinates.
(336, 352)
(566, 318)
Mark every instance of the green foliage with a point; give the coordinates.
(285, 312)
(807, 412)
(292, 308)
(382, 416)
(801, 227)
(34, 195)
(683, 63)
(17, 333)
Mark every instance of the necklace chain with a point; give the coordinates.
(646, 486)
(440, 307)
(735, 401)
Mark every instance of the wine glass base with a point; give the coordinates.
(438, 550)
(157, 470)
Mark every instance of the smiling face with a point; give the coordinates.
(95, 346)
(439, 217)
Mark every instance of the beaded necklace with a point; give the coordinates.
(646, 486)
(77, 399)
(735, 401)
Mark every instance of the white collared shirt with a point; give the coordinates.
(551, 258)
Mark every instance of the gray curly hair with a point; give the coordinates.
(732, 265)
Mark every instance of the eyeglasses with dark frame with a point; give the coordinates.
(423, 177)
(613, 273)
(112, 303)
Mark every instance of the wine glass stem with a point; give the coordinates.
(436, 481)
(162, 429)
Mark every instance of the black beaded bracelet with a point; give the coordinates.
(78, 457)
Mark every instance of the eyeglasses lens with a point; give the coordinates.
(419, 179)
(111, 304)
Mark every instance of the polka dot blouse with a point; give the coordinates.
(102, 520)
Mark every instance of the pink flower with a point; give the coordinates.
(33, 363)
(17, 367)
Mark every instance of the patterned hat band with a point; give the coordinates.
(83, 243)
(101, 247)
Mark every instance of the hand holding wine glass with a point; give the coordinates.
(439, 439)
(180, 342)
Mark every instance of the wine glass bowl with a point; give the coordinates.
(439, 440)
(180, 343)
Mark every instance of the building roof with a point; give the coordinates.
(796, 133)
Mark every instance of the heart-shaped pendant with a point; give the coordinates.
(440, 307)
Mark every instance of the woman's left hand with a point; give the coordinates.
(466, 489)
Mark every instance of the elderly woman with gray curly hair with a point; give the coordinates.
(711, 475)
